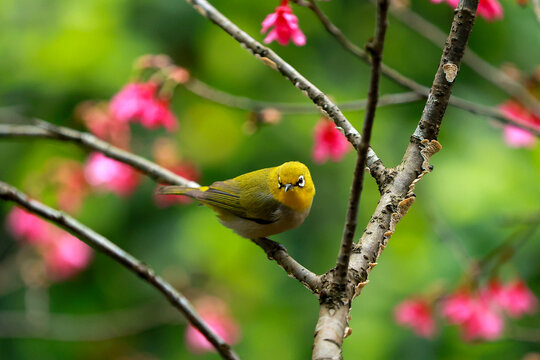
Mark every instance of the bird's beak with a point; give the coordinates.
(288, 187)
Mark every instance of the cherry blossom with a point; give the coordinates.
(106, 173)
(416, 314)
(488, 9)
(514, 136)
(141, 102)
(66, 256)
(329, 142)
(285, 25)
(215, 313)
(27, 226)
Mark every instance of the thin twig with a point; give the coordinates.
(472, 59)
(406, 82)
(47, 130)
(87, 327)
(276, 251)
(376, 49)
(271, 59)
(97, 241)
(221, 97)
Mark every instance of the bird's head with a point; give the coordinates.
(292, 185)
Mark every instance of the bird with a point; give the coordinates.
(260, 203)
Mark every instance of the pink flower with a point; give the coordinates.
(489, 9)
(66, 256)
(514, 136)
(110, 174)
(157, 113)
(329, 142)
(517, 137)
(475, 314)
(458, 307)
(215, 313)
(484, 323)
(417, 315)
(27, 226)
(98, 119)
(140, 101)
(516, 298)
(285, 25)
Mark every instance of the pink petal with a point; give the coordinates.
(299, 38)
(270, 37)
(268, 22)
(517, 137)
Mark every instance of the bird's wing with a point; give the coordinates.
(246, 199)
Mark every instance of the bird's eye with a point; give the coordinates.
(280, 185)
(301, 182)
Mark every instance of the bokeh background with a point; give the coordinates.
(57, 54)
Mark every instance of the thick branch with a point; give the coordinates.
(270, 58)
(134, 265)
(398, 195)
(276, 251)
(408, 82)
(331, 326)
(49, 131)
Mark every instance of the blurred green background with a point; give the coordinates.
(56, 54)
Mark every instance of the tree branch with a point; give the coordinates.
(271, 59)
(406, 82)
(276, 251)
(88, 327)
(218, 96)
(9, 193)
(398, 195)
(47, 130)
(330, 330)
(376, 49)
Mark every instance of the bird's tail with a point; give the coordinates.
(174, 190)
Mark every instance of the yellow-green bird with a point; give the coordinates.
(260, 203)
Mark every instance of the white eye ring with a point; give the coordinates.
(301, 182)
(279, 182)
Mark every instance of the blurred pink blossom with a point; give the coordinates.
(66, 256)
(104, 172)
(27, 226)
(458, 307)
(98, 119)
(517, 137)
(416, 314)
(285, 25)
(329, 142)
(489, 9)
(141, 102)
(514, 136)
(514, 297)
(484, 323)
(476, 315)
(216, 314)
